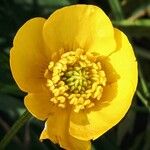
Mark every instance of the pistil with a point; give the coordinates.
(76, 79)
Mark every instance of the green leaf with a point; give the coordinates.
(138, 28)
(143, 83)
(116, 9)
(143, 100)
(142, 52)
(56, 3)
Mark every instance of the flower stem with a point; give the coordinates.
(14, 129)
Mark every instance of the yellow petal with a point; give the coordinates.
(27, 59)
(76, 144)
(114, 104)
(56, 129)
(121, 72)
(44, 134)
(39, 105)
(79, 26)
(123, 60)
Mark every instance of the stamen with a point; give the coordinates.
(76, 79)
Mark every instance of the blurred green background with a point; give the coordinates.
(131, 16)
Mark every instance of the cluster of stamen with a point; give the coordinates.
(76, 79)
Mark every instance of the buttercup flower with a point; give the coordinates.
(80, 74)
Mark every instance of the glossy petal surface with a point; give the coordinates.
(117, 95)
(56, 129)
(39, 105)
(79, 26)
(27, 58)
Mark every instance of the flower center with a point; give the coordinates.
(76, 79)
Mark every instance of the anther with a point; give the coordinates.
(76, 79)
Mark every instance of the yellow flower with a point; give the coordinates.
(80, 74)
